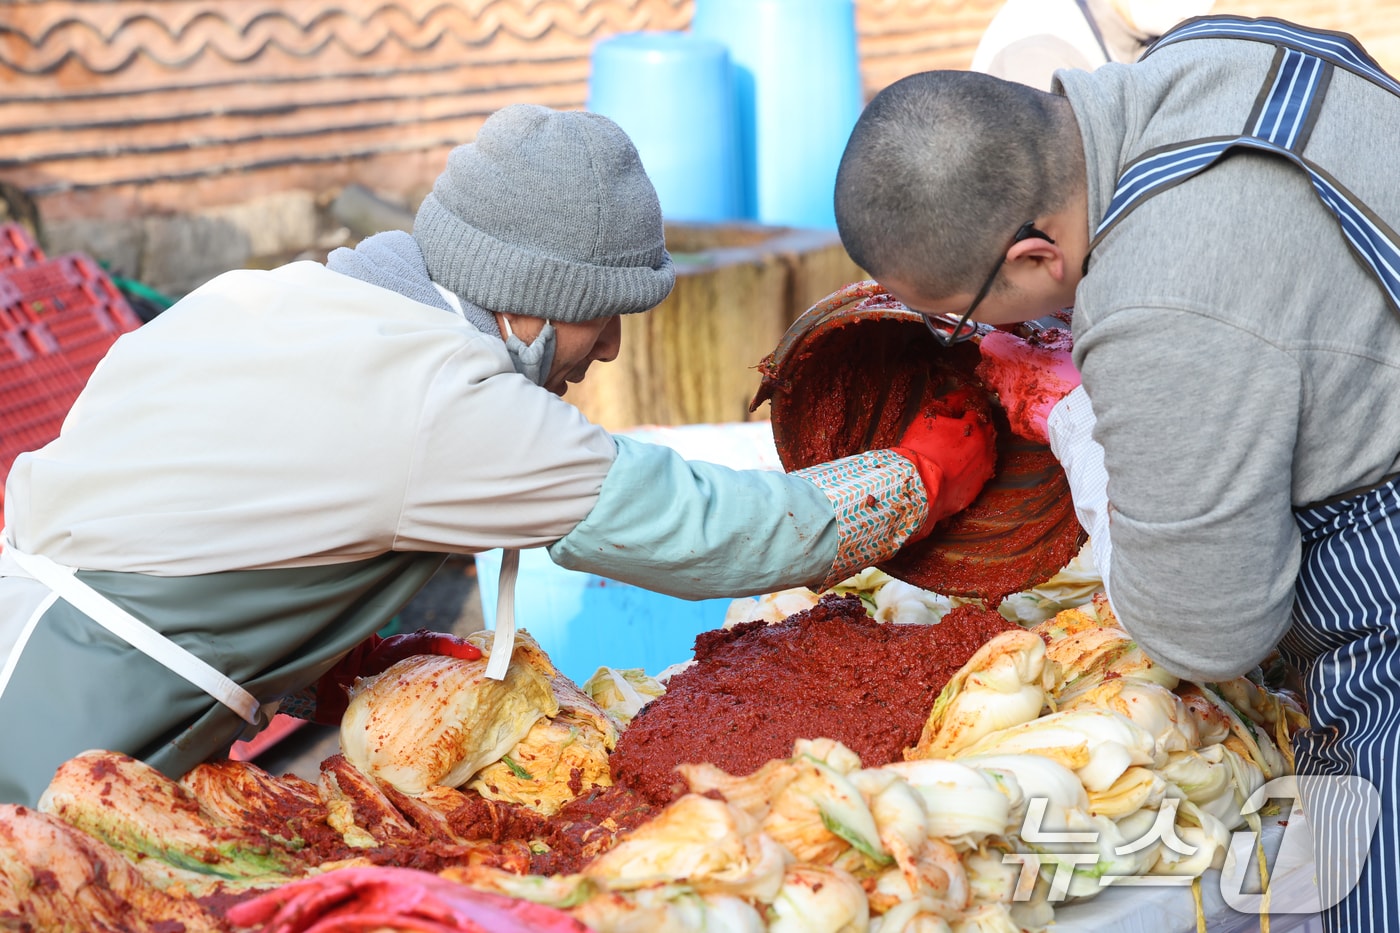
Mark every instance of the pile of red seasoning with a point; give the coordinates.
(830, 672)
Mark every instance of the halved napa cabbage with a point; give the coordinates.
(431, 720)
(1003, 684)
(962, 805)
(154, 821)
(711, 846)
(816, 899)
(1098, 745)
(1151, 706)
(770, 607)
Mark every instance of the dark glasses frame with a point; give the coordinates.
(947, 338)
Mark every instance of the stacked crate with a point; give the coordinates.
(58, 317)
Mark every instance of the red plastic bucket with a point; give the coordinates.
(850, 374)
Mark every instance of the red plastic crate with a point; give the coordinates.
(17, 247)
(58, 318)
(278, 729)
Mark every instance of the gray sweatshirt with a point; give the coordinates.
(1240, 358)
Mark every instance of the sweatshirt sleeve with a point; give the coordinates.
(1197, 420)
(698, 530)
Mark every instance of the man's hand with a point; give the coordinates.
(953, 445)
(375, 655)
(1029, 377)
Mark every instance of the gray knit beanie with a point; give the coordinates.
(547, 213)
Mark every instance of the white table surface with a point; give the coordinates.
(1137, 909)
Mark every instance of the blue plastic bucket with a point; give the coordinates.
(798, 95)
(671, 93)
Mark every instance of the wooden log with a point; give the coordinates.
(693, 359)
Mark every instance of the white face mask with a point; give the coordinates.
(531, 360)
(1155, 17)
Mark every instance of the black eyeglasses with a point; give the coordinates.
(1027, 231)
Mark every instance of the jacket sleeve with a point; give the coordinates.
(497, 460)
(698, 530)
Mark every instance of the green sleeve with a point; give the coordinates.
(699, 531)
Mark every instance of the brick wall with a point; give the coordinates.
(142, 127)
(114, 106)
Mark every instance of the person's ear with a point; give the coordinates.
(1036, 254)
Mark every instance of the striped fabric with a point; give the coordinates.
(879, 501)
(1346, 639)
(1279, 125)
(1336, 47)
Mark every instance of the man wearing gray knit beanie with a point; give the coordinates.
(548, 216)
(271, 469)
(541, 231)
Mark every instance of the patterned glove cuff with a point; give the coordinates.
(300, 705)
(879, 501)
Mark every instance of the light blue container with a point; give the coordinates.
(671, 93)
(584, 622)
(798, 95)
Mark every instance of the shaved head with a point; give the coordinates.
(943, 167)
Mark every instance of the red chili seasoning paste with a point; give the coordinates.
(587, 827)
(829, 672)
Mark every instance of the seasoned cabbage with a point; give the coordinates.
(560, 757)
(431, 720)
(622, 693)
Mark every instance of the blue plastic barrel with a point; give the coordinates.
(798, 95)
(671, 92)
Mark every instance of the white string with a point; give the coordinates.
(503, 644)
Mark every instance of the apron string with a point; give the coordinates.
(503, 643)
(64, 581)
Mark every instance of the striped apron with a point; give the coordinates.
(1345, 636)
(1346, 639)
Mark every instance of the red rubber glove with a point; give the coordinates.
(1029, 377)
(953, 445)
(375, 655)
